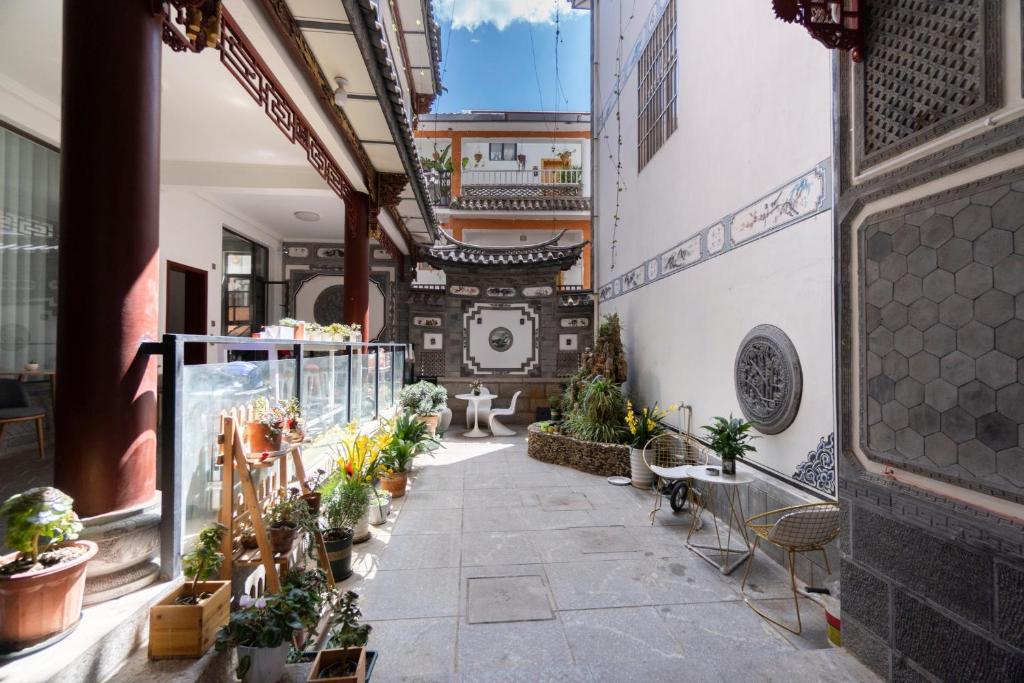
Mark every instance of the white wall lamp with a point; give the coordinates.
(340, 93)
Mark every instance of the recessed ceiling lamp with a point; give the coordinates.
(340, 93)
(308, 216)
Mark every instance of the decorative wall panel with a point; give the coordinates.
(930, 67)
(769, 381)
(501, 339)
(942, 288)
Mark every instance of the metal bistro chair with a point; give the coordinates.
(664, 453)
(15, 407)
(796, 529)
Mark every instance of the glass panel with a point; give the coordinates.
(368, 405)
(386, 399)
(323, 393)
(29, 195)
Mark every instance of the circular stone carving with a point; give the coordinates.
(328, 305)
(500, 339)
(768, 379)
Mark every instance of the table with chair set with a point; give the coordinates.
(681, 467)
(479, 405)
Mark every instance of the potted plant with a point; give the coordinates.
(475, 387)
(264, 430)
(314, 496)
(643, 425)
(344, 503)
(185, 623)
(261, 633)
(285, 518)
(426, 401)
(355, 333)
(41, 585)
(521, 159)
(291, 411)
(359, 457)
(308, 592)
(343, 660)
(31, 366)
(555, 406)
(729, 438)
(477, 158)
(409, 438)
(380, 507)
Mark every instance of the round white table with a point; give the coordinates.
(731, 484)
(474, 399)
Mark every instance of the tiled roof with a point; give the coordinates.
(397, 114)
(521, 203)
(546, 253)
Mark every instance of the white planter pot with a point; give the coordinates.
(266, 664)
(640, 475)
(379, 513)
(361, 532)
(284, 332)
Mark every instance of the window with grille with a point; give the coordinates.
(656, 88)
(501, 151)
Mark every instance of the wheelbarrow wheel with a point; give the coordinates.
(678, 496)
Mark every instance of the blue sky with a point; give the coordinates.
(488, 62)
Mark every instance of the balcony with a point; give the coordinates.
(517, 184)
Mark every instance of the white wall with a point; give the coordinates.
(191, 233)
(754, 112)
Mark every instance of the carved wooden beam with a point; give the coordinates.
(836, 24)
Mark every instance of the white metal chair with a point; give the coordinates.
(498, 429)
(664, 453)
(795, 529)
(483, 406)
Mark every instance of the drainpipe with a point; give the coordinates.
(595, 238)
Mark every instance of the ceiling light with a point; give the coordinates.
(418, 22)
(340, 93)
(423, 73)
(308, 216)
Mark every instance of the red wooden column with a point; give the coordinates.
(109, 264)
(357, 261)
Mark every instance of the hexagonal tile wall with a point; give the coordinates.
(942, 297)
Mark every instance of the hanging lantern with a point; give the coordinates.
(836, 24)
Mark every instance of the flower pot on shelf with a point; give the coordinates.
(282, 536)
(266, 664)
(313, 501)
(395, 483)
(346, 665)
(31, 367)
(262, 438)
(38, 605)
(338, 543)
(640, 474)
(179, 631)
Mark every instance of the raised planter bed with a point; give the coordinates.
(604, 459)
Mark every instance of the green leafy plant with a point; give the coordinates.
(601, 413)
(37, 520)
(345, 501)
(204, 561)
(409, 438)
(267, 621)
(269, 415)
(728, 437)
(344, 629)
(288, 322)
(308, 591)
(423, 398)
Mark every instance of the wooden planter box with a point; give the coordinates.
(325, 658)
(184, 631)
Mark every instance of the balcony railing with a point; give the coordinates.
(560, 182)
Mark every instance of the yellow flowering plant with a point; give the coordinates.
(359, 454)
(645, 423)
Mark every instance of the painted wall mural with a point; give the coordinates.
(787, 205)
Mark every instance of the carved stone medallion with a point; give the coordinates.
(500, 339)
(768, 379)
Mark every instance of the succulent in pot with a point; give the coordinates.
(285, 518)
(42, 584)
(314, 496)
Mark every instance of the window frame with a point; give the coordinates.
(259, 258)
(503, 147)
(657, 87)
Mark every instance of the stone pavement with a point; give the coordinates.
(496, 567)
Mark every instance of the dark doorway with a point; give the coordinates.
(186, 307)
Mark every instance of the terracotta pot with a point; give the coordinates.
(313, 501)
(338, 543)
(282, 537)
(395, 483)
(262, 438)
(431, 422)
(38, 605)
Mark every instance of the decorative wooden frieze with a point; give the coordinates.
(836, 24)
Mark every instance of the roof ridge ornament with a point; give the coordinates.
(553, 241)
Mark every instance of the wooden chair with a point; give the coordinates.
(15, 407)
(795, 529)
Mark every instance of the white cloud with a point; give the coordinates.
(470, 14)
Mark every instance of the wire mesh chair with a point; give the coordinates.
(795, 529)
(670, 450)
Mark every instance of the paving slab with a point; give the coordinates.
(495, 646)
(423, 647)
(605, 636)
(498, 548)
(507, 598)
